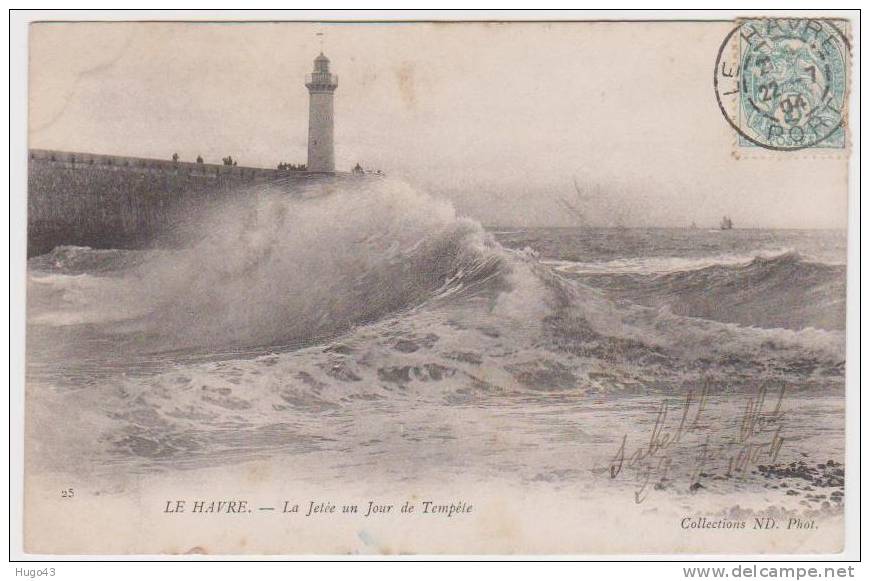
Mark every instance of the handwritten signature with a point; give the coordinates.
(758, 438)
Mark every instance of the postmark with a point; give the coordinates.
(782, 84)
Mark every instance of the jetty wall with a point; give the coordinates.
(106, 201)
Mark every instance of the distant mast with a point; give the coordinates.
(726, 223)
(321, 89)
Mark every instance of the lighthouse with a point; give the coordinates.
(321, 89)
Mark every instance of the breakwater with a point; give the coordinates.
(105, 201)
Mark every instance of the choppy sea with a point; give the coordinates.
(375, 331)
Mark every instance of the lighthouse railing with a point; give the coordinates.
(321, 79)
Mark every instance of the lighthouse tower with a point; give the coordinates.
(321, 88)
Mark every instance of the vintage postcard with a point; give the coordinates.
(398, 287)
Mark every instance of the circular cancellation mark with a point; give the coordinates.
(781, 83)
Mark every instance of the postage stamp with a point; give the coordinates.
(782, 83)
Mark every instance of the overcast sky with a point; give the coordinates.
(500, 118)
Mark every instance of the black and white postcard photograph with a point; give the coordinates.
(557, 285)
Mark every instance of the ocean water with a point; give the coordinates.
(372, 333)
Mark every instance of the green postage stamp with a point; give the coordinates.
(782, 83)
